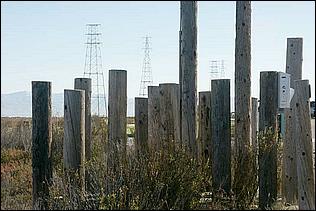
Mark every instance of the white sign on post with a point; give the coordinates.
(284, 92)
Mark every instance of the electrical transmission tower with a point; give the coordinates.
(93, 69)
(146, 79)
(217, 69)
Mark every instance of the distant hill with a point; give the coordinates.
(19, 104)
(16, 104)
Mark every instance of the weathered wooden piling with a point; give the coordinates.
(242, 83)
(74, 136)
(204, 114)
(294, 59)
(242, 134)
(117, 117)
(85, 84)
(268, 138)
(141, 125)
(188, 64)
(254, 124)
(41, 143)
(154, 117)
(169, 115)
(180, 79)
(304, 146)
(220, 134)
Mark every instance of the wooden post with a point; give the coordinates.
(294, 58)
(268, 144)
(254, 139)
(220, 133)
(205, 143)
(254, 124)
(180, 81)
(169, 115)
(188, 66)
(117, 116)
(243, 162)
(153, 117)
(85, 84)
(74, 136)
(304, 146)
(41, 143)
(141, 125)
(242, 84)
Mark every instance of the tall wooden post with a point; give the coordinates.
(304, 146)
(74, 136)
(153, 117)
(242, 82)
(188, 64)
(205, 142)
(220, 134)
(180, 81)
(141, 125)
(254, 124)
(242, 101)
(41, 143)
(117, 117)
(268, 138)
(85, 84)
(169, 115)
(294, 58)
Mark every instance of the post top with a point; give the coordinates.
(41, 82)
(295, 38)
(301, 81)
(164, 84)
(89, 79)
(224, 79)
(268, 72)
(117, 70)
(141, 98)
(152, 87)
(74, 90)
(205, 92)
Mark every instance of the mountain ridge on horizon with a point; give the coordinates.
(19, 104)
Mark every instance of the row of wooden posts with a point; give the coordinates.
(169, 113)
(157, 122)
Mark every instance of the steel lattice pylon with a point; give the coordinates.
(146, 79)
(93, 69)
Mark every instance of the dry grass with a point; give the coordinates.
(156, 180)
(16, 179)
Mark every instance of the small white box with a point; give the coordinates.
(284, 94)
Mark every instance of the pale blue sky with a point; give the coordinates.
(45, 40)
